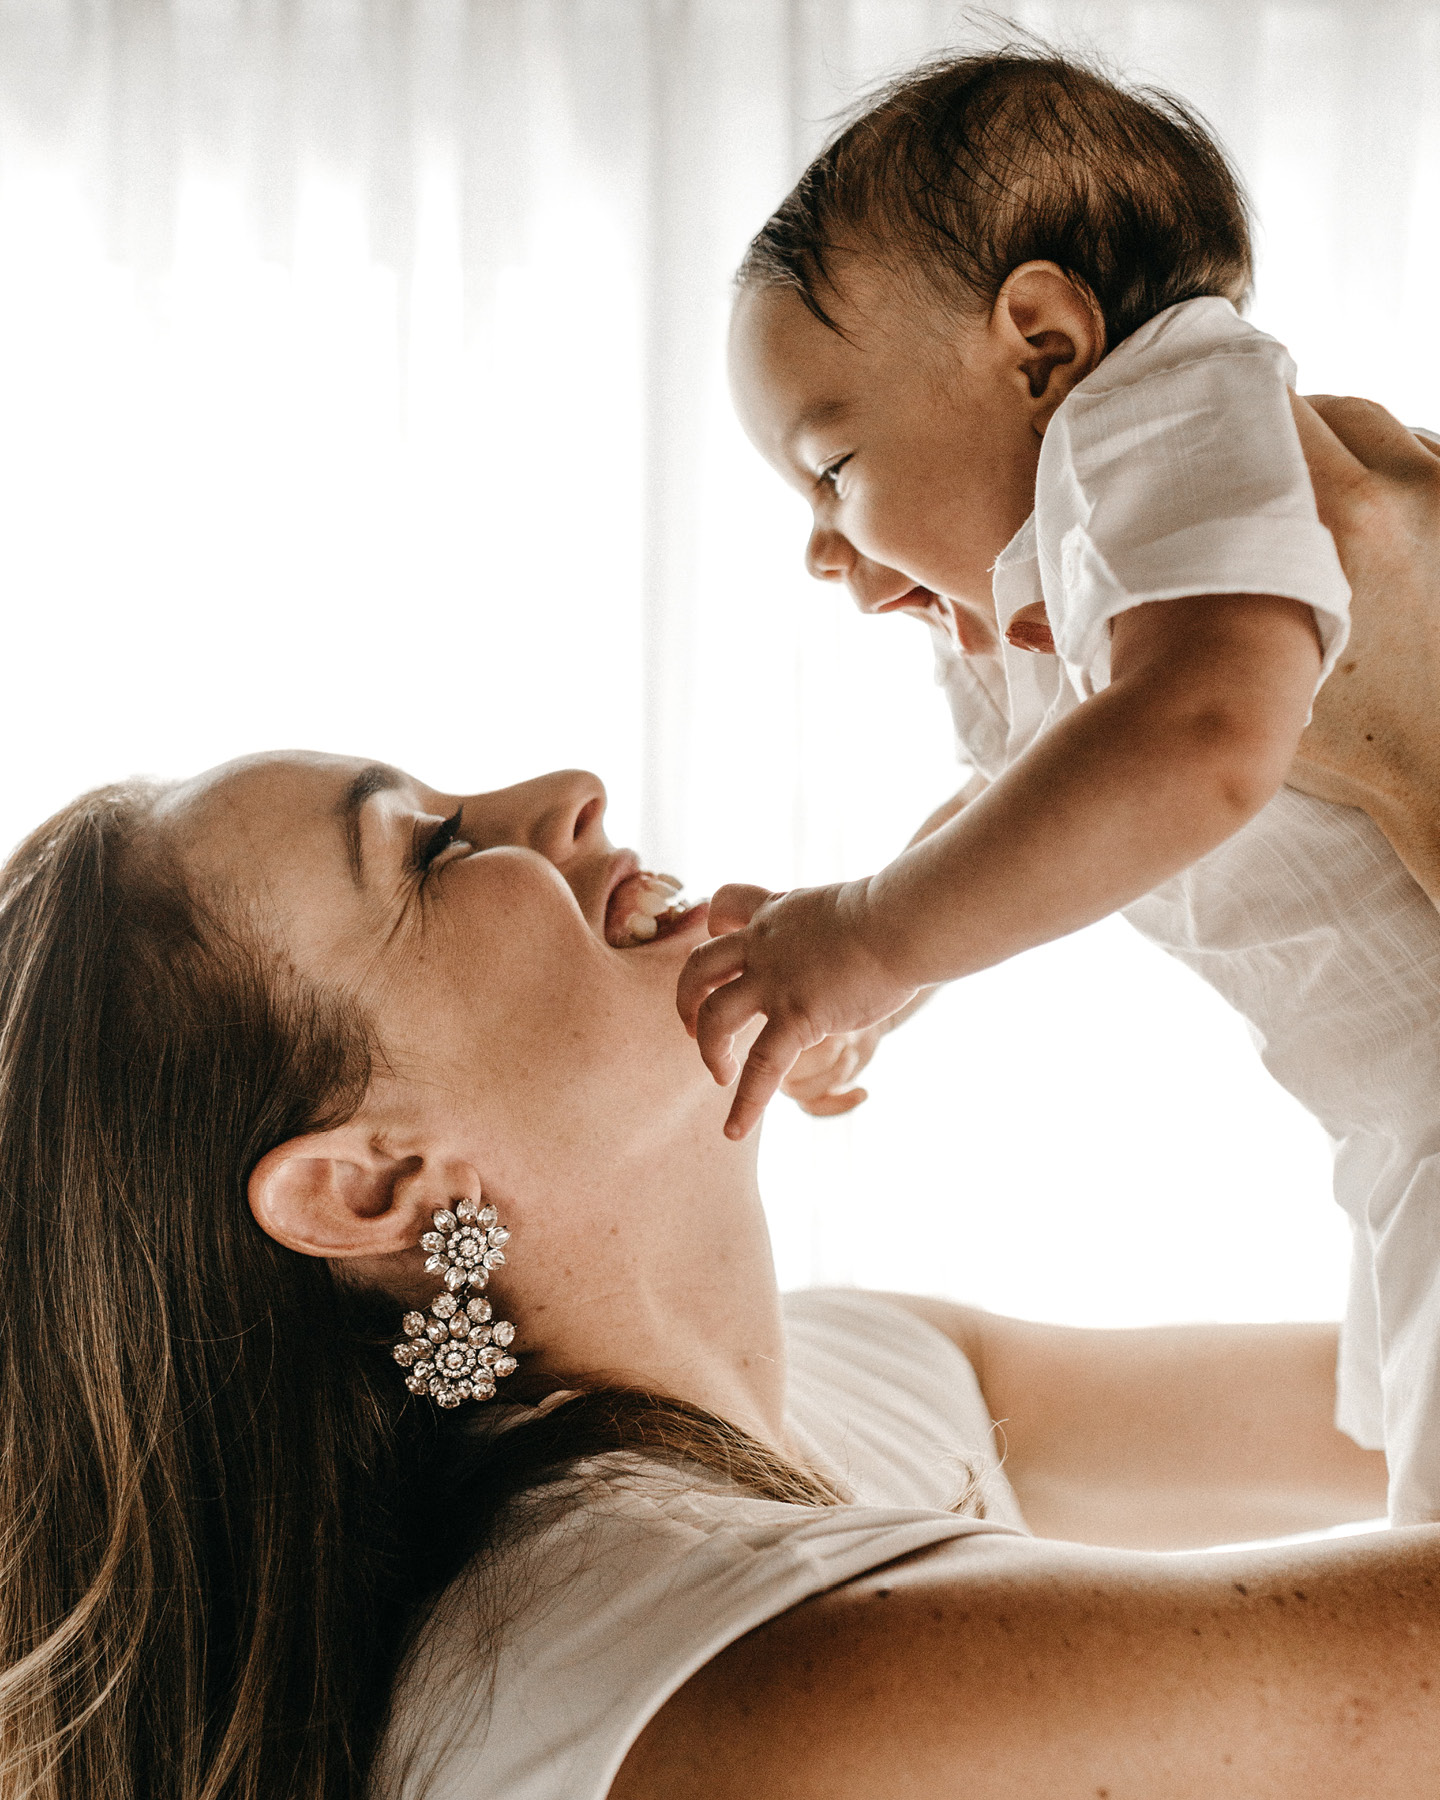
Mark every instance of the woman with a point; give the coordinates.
(258, 1030)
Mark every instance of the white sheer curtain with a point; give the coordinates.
(361, 386)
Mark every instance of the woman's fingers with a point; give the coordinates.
(1364, 465)
(1339, 478)
(1319, 440)
(1352, 499)
(1372, 435)
(1377, 489)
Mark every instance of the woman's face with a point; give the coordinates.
(488, 949)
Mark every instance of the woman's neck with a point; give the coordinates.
(670, 1286)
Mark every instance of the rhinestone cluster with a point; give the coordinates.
(459, 1352)
(465, 1245)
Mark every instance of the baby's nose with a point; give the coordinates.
(828, 555)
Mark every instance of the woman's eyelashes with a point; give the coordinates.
(431, 845)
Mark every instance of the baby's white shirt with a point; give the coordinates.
(1175, 469)
(1306, 920)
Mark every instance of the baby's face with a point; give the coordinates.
(913, 439)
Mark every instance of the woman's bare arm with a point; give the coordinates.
(1008, 1669)
(1170, 1437)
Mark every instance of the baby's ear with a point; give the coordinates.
(334, 1193)
(1053, 331)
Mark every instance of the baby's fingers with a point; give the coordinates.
(710, 966)
(735, 905)
(830, 1106)
(771, 1058)
(720, 1020)
(823, 1069)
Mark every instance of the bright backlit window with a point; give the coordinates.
(362, 387)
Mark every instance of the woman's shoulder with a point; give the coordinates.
(542, 1664)
(891, 1404)
(1012, 1666)
(603, 1599)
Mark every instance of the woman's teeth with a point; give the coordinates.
(641, 907)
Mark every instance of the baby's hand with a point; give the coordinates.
(805, 961)
(820, 1082)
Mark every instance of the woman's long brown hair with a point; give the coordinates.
(219, 1510)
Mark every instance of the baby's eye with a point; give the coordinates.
(831, 470)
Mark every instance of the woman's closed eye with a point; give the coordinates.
(431, 845)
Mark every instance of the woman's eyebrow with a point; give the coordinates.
(374, 778)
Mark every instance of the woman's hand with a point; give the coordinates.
(805, 961)
(1372, 741)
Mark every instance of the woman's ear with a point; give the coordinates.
(335, 1193)
(1051, 331)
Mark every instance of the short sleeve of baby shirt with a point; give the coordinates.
(1175, 469)
(615, 1601)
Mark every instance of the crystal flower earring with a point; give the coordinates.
(460, 1351)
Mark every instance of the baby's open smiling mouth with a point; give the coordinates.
(915, 598)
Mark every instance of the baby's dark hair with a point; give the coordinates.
(969, 166)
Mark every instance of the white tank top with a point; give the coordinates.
(612, 1606)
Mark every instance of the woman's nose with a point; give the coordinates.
(559, 815)
(828, 555)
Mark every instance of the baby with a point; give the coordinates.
(991, 336)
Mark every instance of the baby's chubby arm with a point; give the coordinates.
(822, 1080)
(1207, 700)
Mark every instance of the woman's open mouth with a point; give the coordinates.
(644, 908)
